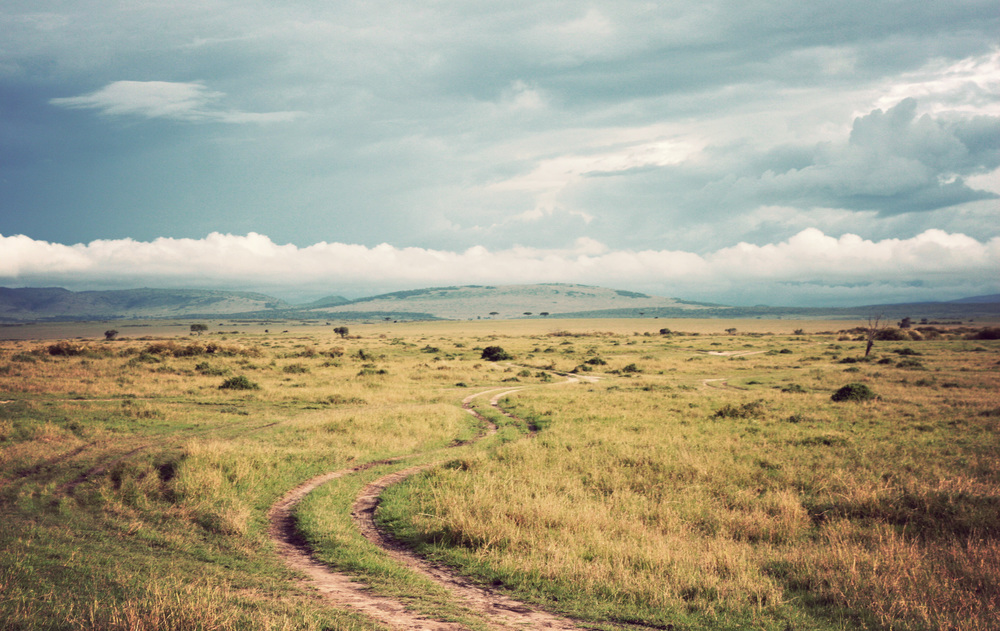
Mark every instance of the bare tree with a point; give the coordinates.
(875, 324)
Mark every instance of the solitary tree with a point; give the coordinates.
(544, 313)
(110, 334)
(342, 331)
(494, 313)
(871, 332)
(199, 328)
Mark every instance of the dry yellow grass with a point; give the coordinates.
(637, 500)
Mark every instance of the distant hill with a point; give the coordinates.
(55, 303)
(977, 300)
(455, 303)
(507, 301)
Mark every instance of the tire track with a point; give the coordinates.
(501, 611)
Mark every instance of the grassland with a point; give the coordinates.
(706, 481)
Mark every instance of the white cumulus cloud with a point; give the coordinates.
(933, 265)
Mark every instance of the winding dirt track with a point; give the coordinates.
(500, 611)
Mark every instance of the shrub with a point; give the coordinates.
(495, 354)
(238, 383)
(747, 410)
(989, 333)
(793, 387)
(207, 369)
(67, 349)
(892, 334)
(854, 392)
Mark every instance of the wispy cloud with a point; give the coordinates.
(818, 266)
(191, 102)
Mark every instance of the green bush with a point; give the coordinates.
(854, 392)
(495, 354)
(207, 369)
(238, 383)
(892, 334)
(751, 409)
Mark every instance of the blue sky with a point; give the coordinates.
(746, 153)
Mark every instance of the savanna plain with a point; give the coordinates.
(667, 474)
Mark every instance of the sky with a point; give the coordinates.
(780, 152)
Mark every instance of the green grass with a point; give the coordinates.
(647, 500)
(652, 496)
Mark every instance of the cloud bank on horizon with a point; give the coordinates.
(934, 265)
(716, 150)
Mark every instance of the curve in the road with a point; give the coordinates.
(501, 611)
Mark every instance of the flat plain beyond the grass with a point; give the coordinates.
(704, 479)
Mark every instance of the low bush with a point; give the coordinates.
(207, 369)
(239, 382)
(495, 354)
(989, 333)
(67, 349)
(892, 334)
(751, 409)
(854, 392)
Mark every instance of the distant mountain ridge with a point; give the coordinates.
(56, 303)
(454, 302)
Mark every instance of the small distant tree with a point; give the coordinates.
(494, 314)
(731, 331)
(527, 313)
(906, 323)
(875, 324)
(544, 314)
(110, 334)
(199, 328)
(342, 331)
